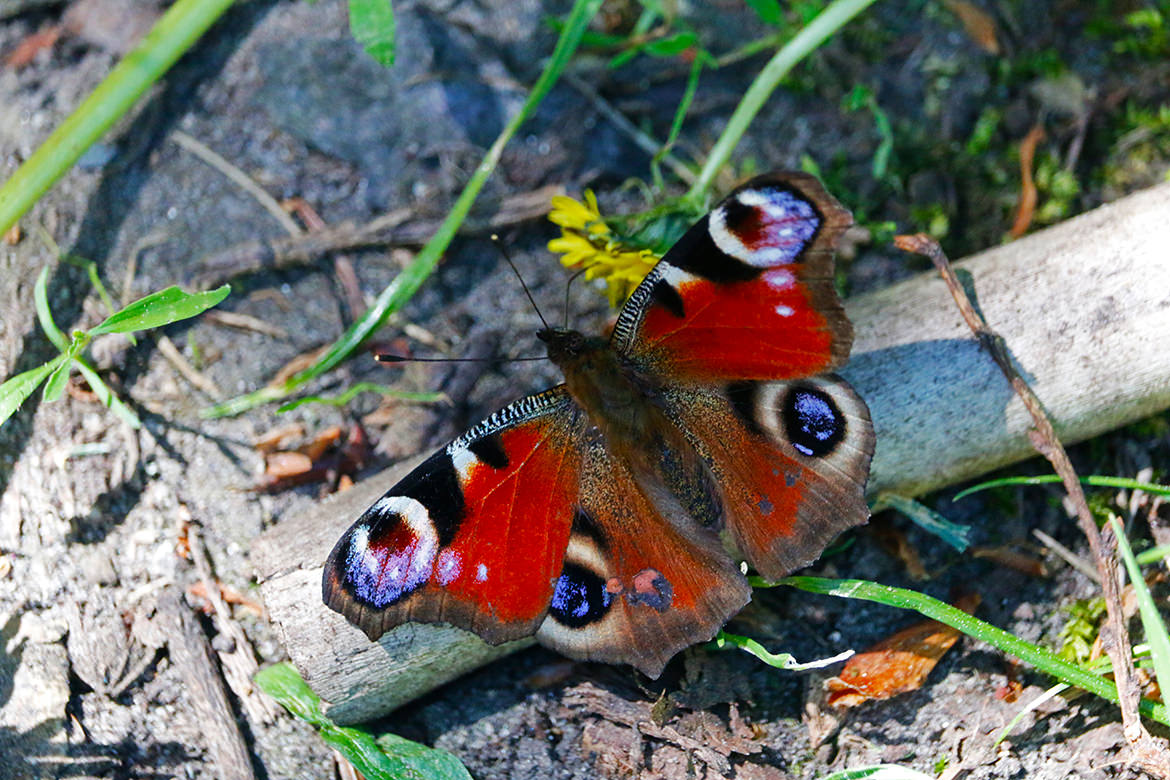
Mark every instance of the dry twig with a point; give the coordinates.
(1144, 750)
(401, 227)
(191, 653)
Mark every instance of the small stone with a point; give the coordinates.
(98, 568)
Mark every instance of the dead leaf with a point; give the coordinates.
(278, 438)
(23, 55)
(331, 454)
(12, 236)
(979, 24)
(287, 465)
(321, 443)
(1029, 196)
(897, 664)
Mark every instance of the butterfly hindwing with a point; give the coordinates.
(474, 536)
(790, 460)
(642, 580)
(747, 292)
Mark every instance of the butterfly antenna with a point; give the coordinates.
(568, 287)
(515, 270)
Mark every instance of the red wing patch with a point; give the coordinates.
(764, 328)
(475, 536)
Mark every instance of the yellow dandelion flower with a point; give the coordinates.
(587, 242)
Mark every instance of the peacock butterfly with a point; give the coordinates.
(608, 514)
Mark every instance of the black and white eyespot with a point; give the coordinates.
(764, 226)
(390, 552)
(812, 416)
(580, 596)
(814, 424)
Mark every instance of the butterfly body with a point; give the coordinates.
(608, 515)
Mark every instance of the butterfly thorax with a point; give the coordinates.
(621, 405)
(615, 398)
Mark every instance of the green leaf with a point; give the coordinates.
(371, 22)
(284, 683)
(768, 11)
(55, 386)
(672, 45)
(431, 763)
(15, 390)
(388, 757)
(1155, 627)
(160, 308)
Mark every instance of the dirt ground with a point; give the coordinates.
(93, 514)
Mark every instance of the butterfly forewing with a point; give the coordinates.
(474, 536)
(747, 293)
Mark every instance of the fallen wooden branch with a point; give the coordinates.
(1084, 307)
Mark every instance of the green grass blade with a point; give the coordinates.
(412, 277)
(784, 661)
(1152, 622)
(106, 396)
(15, 390)
(878, 772)
(174, 33)
(371, 22)
(160, 308)
(1153, 555)
(1039, 657)
(44, 314)
(1093, 480)
(364, 387)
